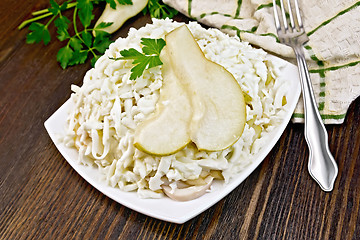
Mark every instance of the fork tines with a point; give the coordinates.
(288, 11)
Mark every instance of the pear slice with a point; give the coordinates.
(168, 129)
(199, 101)
(217, 100)
(119, 15)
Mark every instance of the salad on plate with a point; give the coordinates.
(172, 108)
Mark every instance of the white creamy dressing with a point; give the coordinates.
(108, 107)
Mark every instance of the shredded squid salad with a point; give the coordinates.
(108, 107)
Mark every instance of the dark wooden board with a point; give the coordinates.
(42, 197)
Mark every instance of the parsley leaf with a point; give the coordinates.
(125, 2)
(75, 43)
(121, 2)
(158, 9)
(64, 56)
(103, 25)
(140, 62)
(87, 38)
(152, 46)
(62, 23)
(55, 8)
(112, 3)
(39, 33)
(85, 12)
(63, 34)
(101, 41)
(64, 6)
(94, 59)
(131, 53)
(78, 57)
(148, 59)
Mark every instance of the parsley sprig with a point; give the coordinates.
(76, 33)
(148, 59)
(79, 44)
(157, 9)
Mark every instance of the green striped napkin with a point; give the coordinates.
(333, 52)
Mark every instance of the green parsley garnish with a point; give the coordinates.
(121, 2)
(148, 59)
(157, 9)
(80, 43)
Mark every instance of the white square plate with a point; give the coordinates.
(165, 208)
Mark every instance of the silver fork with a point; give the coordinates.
(322, 166)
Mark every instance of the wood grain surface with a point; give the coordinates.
(42, 197)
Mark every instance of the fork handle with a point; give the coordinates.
(322, 166)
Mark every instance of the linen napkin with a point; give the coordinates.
(333, 52)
